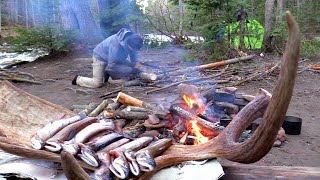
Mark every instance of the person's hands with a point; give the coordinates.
(137, 65)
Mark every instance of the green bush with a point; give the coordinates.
(52, 39)
(310, 48)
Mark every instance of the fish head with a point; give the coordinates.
(120, 167)
(146, 161)
(134, 168)
(53, 146)
(37, 143)
(71, 148)
(130, 155)
(89, 157)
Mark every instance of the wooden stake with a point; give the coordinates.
(213, 65)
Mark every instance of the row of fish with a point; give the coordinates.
(98, 144)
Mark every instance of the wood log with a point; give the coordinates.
(148, 77)
(128, 100)
(99, 109)
(213, 65)
(132, 101)
(136, 109)
(135, 82)
(244, 172)
(189, 116)
(111, 107)
(129, 115)
(71, 168)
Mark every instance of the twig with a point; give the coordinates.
(111, 92)
(189, 80)
(257, 74)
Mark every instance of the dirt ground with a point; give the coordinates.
(299, 150)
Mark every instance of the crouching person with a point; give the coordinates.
(114, 57)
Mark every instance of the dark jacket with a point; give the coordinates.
(113, 50)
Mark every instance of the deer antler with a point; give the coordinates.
(252, 150)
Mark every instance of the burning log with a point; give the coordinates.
(225, 145)
(189, 116)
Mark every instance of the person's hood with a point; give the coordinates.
(122, 34)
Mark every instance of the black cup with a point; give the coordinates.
(292, 125)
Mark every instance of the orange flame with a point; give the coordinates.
(192, 101)
(189, 100)
(195, 129)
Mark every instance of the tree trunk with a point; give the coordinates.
(32, 13)
(26, 12)
(16, 7)
(0, 16)
(280, 7)
(269, 5)
(242, 28)
(181, 14)
(76, 15)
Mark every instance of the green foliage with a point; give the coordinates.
(310, 48)
(49, 38)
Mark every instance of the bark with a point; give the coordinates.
(268, 23)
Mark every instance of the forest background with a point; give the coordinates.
(221, 28)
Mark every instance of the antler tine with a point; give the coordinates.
(263, 138)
